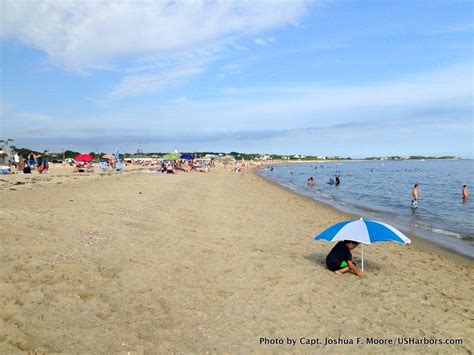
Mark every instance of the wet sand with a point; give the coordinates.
(200, 262)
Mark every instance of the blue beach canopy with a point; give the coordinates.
(363, 231)
(186, 157)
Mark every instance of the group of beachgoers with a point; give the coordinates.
(83, 167)
(415, 195)
(336, 181)
(175, 166)
(36, 162)
(239, 167)
(32, 162)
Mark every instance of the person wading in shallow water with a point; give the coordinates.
(414, 197)
(465, 194)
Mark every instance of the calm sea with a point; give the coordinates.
(381, 190)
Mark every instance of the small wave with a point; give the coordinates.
(323, 194)
(449, 233)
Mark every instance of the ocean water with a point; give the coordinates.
(381, 190)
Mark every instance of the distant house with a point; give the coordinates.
(3, 158)
(6, 155)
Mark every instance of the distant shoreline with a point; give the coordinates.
(274, 162)
(356, 160)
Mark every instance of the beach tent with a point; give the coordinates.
(186, 157)
(108, 156)
(171, 156)
(84, 157)
(363, 231)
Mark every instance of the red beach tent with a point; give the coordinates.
(84, 157)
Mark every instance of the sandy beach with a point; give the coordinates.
(207, 262)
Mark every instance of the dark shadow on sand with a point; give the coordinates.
(319, 259)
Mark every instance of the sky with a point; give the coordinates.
(348, 78)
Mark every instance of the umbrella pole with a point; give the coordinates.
(362, 257)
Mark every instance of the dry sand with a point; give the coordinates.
(205, 262)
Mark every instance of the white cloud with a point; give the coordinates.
(158, 74)
(264, 41)
(230, 69)
(435, 95)
(161, 42)
(79, 35)
(36, 118)
(260, 42)
(134, 85)
(181, 100)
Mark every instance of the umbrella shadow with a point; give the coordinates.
(369, 265)
(319, 259)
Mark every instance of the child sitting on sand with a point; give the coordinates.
(339, 258)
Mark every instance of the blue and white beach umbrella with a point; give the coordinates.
(363, 231)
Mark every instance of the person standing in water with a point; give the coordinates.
(414, 197)
(465, 194)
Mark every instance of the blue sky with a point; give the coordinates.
(350, 78)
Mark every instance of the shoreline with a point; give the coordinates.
(422, 237)
(417, 241)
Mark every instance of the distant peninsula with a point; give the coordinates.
(415, 157)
